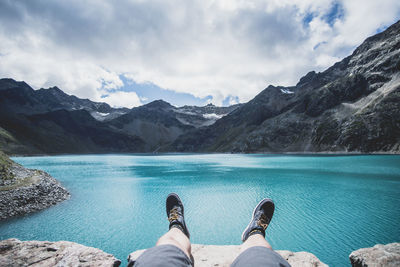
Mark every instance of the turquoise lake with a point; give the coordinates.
(326, 205)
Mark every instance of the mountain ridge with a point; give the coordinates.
(51, 121)
(352, 106)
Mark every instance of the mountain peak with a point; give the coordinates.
(55, 88)
(7, 83)
(158, 104)
(56, 91)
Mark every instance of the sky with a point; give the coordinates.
(130, 52)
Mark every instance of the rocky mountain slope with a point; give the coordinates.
(202, 116)
(352, 106)
(63, 131)
(50, 121)
(160, 123)
(19, 97)
(155, 122)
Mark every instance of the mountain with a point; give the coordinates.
(155, 123)
(352, 106)
(51, 121)
(19, 97)
(159, 123)
(202, 116)
(63, 131)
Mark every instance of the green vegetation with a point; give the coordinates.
(13, 182)
(20, 183)
(5, 165)
(6, 135)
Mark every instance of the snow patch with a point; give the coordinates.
(213, 116)
(286, 91)
(185, 112)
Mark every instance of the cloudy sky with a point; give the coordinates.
(130, 52)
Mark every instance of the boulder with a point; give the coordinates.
(14, 252)
(223, 256)
(377, 256)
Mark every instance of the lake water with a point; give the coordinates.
(327, 205)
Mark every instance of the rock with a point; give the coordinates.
(24, 191)
(377, 256)
(14, 252)
(223, 256)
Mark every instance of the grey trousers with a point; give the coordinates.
(172, 256)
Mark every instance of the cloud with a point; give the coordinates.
(122, 99)
(202, 47)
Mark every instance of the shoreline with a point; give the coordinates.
(321, 153)
(25, 191)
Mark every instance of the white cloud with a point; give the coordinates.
(201, 47)
(122, 99)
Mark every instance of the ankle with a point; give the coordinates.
(256, 232)
(255, 240)
(177, 226)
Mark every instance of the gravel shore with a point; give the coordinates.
(24, 190)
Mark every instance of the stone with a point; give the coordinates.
(377, 256)
(14, 252)
(223, 256)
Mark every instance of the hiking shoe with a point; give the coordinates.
(262, 216)
(175, 213)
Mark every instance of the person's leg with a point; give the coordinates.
(255, 250)
(173, 249)
(255, 241)
(177, 238)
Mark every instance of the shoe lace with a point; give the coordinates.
(173, 215)
(263, 221)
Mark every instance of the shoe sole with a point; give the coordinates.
(254, 211)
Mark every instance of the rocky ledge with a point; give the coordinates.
(14, 252)
(24, 190)
(377, 256)
(223, 256)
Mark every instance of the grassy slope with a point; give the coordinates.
(5, 165)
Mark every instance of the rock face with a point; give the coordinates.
(24, 191)
(159, 123)
(202, 116)
(223, 256)
(14, 252)
(19, 97)
(377, 256)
